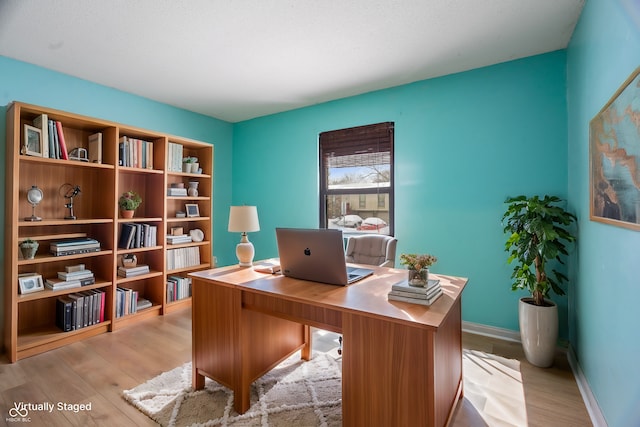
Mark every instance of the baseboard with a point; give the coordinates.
(585, 391)
(490, 331)
(597, 418)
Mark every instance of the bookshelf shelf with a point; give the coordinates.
(149, 167)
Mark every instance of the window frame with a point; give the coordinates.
(374, 138)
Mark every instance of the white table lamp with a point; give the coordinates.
(244, 219)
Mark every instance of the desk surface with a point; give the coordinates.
(366, 297)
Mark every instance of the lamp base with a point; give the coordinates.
(245, 252)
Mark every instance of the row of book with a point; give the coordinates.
(71, 279)
(129, 301)
(138, 270)
(174, 162)
(178, 288)
(74, 246)
(427, 295)
(80, 309)
(183, 257)
(134, 235)
(135, 153)
(54, 145)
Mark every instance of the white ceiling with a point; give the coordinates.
(240, 59)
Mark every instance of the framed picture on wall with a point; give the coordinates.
(614, 156)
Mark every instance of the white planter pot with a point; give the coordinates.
(538, 331)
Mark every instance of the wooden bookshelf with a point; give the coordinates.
(30, 319)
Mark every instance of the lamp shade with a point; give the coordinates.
(243, 219)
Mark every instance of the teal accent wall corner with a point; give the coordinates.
(463, 143)
(604, 317)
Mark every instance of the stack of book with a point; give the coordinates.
(174, 191)
(402, 291)
(180, 238)
(71, 279)
(133, 271)
(74, 246)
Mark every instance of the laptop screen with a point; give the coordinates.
(316, 255)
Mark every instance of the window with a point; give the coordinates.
(356, 179)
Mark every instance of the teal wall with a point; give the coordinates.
(604, 51)
(463, 143)
(27, 83)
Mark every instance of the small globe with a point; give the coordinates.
(34, 195)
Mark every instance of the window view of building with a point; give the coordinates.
(356, 179)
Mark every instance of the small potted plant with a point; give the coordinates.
(128, 203)
(29, 248)
(418, 265)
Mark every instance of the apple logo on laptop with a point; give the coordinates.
(307, 252)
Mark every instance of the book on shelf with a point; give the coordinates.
(421, 301)
(77, 275)
(174, 161)
(176, 192)
(95, 147)
(133, 271)
(183, 257)
(74, 241)
(57, 284)
(142, 303)
(64, 154)
(181, 238)
(64, 313)
(178, 288)
(42, 123)
(133, 235)
(126, 301)
(135, 153)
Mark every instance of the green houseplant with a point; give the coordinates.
(129, 202)
(538, 231)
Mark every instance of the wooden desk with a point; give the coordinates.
(402, 362)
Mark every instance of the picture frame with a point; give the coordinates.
(614, 153)
(32, 141)
(29, 283)
(192, 210)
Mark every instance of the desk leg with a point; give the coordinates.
(198, 380)
(306, 350)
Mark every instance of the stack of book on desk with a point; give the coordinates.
(402, 291)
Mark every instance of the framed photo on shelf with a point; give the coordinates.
(30, 283)
(32, 141)
(192, 210)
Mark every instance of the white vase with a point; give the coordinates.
(192, 191)
(538, 331)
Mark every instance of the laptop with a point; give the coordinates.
(316, 255)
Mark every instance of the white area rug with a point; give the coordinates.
(308, 394)
(295, 393)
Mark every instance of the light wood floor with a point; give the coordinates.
(96, 371)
